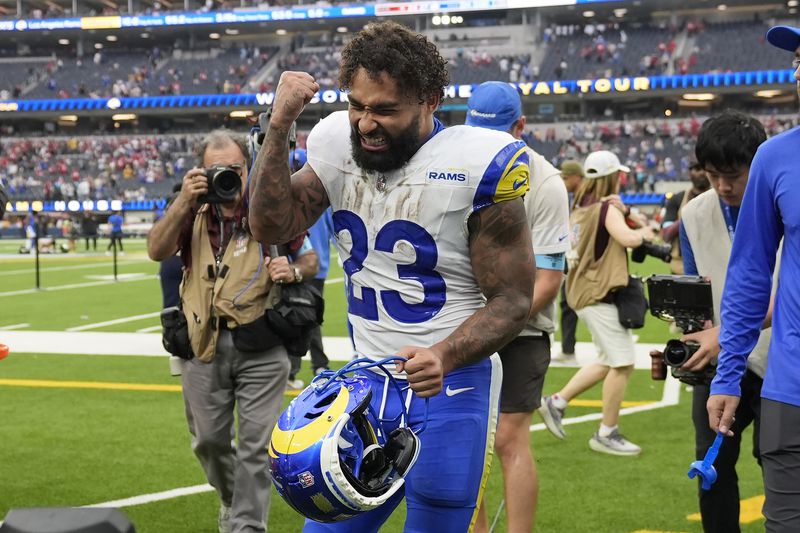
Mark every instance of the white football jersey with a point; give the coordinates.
(402, 235)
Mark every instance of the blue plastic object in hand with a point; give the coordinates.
(705, 468)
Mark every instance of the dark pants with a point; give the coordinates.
(93, 238)
(116, 236)
(719, 506)
(318, 357)
(780, 455)
(569, 321)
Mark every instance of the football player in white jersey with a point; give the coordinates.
(497, 105)
(436, 247)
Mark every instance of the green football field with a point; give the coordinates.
(88, 429)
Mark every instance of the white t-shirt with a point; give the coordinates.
(403, 234)
(547, 207)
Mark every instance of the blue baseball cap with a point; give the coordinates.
(784, 37)
(297, 158)
(495, 105)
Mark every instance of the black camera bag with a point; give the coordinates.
(256, 336)
(175, 333)
(631, 303)
(299, 309)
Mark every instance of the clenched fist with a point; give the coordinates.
(295, 90)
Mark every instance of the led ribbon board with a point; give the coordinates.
(686, 82)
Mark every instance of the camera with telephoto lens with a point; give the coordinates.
(659, 251)
(224, 184)
(687, 301)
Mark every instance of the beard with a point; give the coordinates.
(400, 148)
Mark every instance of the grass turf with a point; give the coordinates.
(69, 447)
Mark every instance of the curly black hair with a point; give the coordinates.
(409, 58)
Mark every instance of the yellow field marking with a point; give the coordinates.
(749, 511)
(89, 385)
(599, 403)
(177, 388)
(40, 383)
(654, 531)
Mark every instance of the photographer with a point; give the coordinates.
(725, 148)
(598, 265)
(238, 360)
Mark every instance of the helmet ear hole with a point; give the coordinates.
(373, 463)
(402, 449)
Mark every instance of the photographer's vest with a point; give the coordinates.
(589, 280)
(676, 265)
(236, 291)
(707, 231)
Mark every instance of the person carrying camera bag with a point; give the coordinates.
(725, 148)
(234, 359)
(598, 266)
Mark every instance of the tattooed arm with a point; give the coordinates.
(283, 206)
(502, 260)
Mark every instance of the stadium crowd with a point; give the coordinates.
(591, 50)
(146, 166)
(645, 152)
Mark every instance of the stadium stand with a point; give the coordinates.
(146, 166)
(149, 72)
(734, 46)
(600, 50)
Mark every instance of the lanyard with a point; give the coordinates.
(729, 221)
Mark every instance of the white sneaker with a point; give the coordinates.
(614, 444)
(224, 519)
(295, 384)
(565, 358)
(552, 415)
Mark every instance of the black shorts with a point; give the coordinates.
(525, 361)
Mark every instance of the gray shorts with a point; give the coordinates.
(525, 361)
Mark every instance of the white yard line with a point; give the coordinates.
(15, 326)
(151, 329)
(154, 497)
(71, 267)
(333, 280)
(76, 286)
(669, 398)
(115, 321)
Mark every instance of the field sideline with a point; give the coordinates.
(81, 429)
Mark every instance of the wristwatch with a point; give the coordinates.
(298, 276)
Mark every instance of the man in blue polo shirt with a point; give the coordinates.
(768, 213)
(115, 223)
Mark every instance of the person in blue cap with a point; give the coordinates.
(496, 105)
(768, 214)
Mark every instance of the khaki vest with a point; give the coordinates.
(707, 231)
(676, 265)
(589, 281)
(240, 296)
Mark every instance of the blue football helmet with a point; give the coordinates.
(330, 457)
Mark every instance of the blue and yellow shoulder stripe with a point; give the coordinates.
(507, 176)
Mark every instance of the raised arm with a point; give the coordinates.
(282, 206)
(162, 241)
